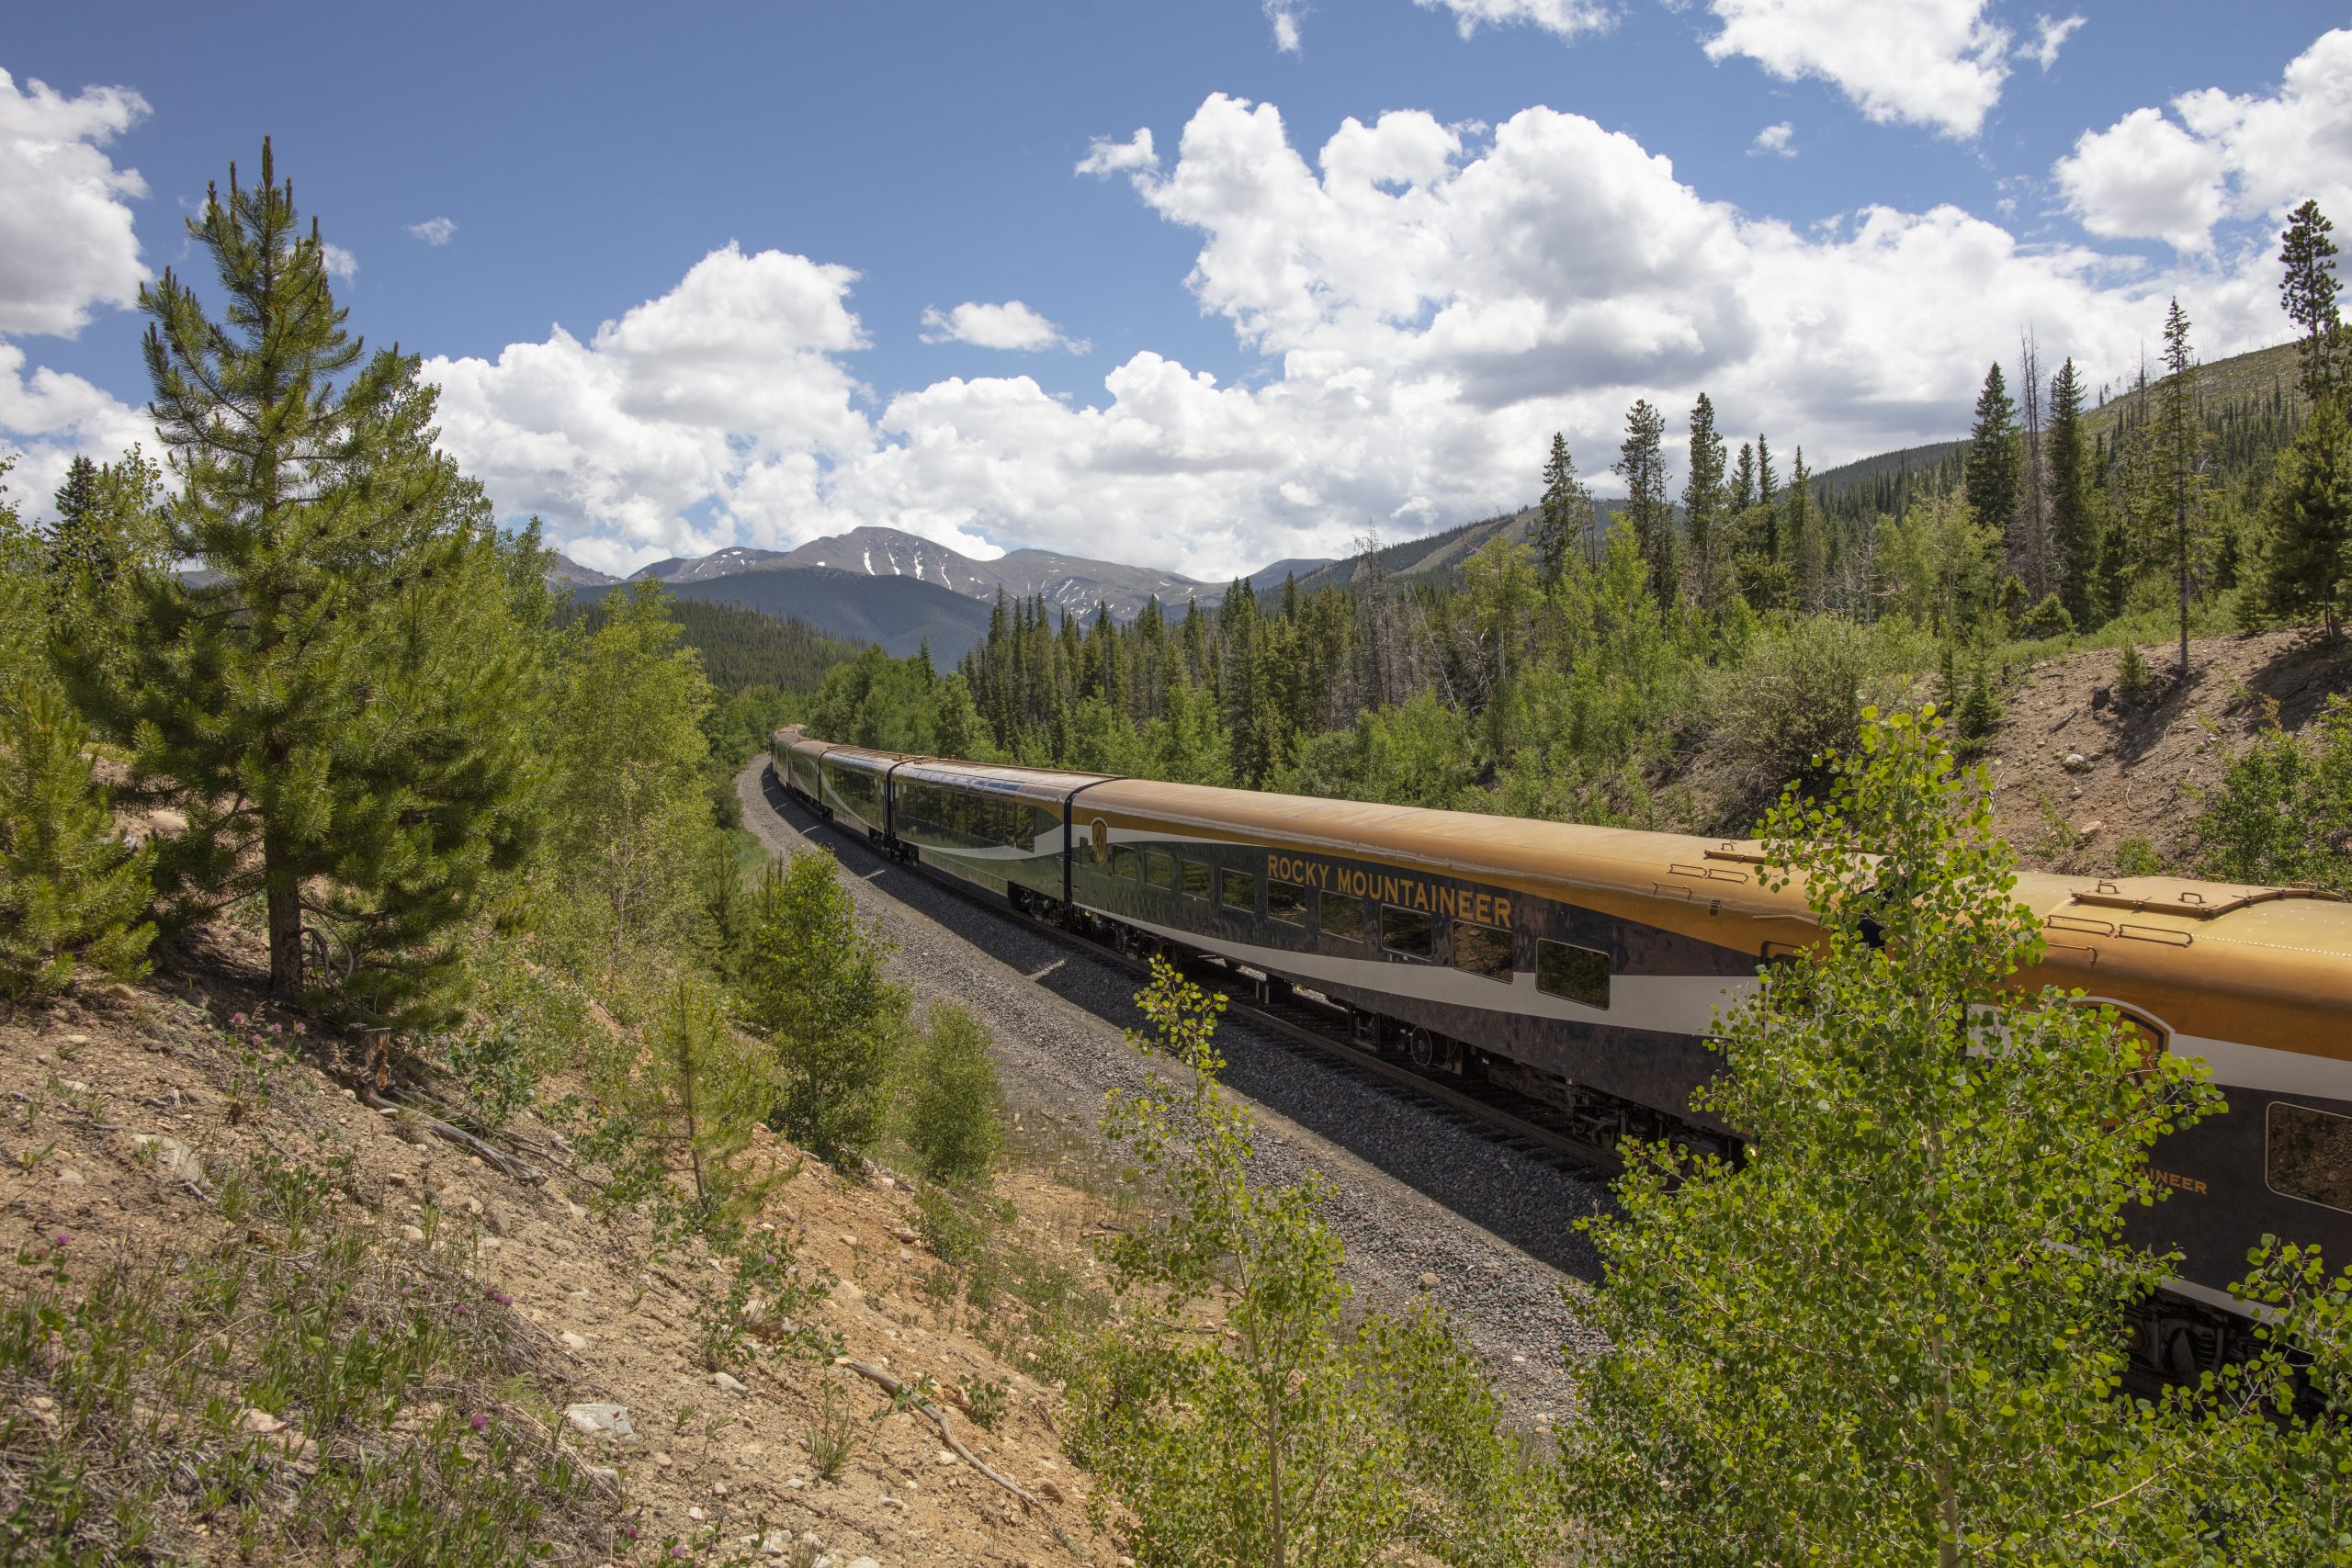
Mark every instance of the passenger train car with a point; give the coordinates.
(1584, 965)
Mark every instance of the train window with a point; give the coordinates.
(1340, 915)
(1196, 879)
(1044, 821)
(1287, 902)
(1125, 863)
(1407, 932)
(2310, 1154)
(1158, 869)
(1482, 950)
(859, 793)
(1573, 974)
(1238, 890)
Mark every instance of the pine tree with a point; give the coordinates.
(339, 708)
(2308, 293)
(1641, 463)
(1994, 459)
(1743, 483)
(2073, 528)
(1768, 479)
(1703, 503)
(71, 891)
(2309, 508)
(813, 986)
(2181, 436)
(1563, 528)
(1806, 543)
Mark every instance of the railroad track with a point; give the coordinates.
(1495, 1113)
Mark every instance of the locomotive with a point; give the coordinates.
(1584, 967)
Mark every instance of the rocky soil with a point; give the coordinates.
(1424, 1206)
(124, 1111)
(2077, 770)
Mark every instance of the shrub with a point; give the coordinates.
(2283, 811)
(1797, 699)
(812, 984)
(2137, 857)
(952, 1116)
(2047, 619)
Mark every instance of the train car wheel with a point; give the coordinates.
(1422, 1046)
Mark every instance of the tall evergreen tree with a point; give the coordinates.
(1703, 503)
(1641, 463)
(1742, 482)
(2181, 438)
(1807, 543)
(1768, 479)
(1994, 461)
(2309, 508)
(2073, 528)
(2308, 292)
(1564, 523)
(337, 710)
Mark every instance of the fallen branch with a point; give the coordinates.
(946, 1433)
(520, 1169)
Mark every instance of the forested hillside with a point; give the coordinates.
(1673, 659)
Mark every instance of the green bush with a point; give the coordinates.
(1798, 698)
(2283, 811)
(951, 1116)
(2134, 680)
(812, 985)
(2137, 857)
(70, 890)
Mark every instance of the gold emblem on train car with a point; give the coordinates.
(1099, 834)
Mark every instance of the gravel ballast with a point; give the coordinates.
(1423, 1204)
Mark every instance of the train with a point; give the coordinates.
(1584, 967)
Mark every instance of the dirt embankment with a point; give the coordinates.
(126, 1114)
(2077, 771)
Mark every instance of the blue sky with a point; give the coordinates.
(1567, 206)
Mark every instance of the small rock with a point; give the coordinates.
(1519, 1361)
(1428, 1281)
(600, 1420)
(887, 1184)
(906, 1236)
(848, 1240)
(175, 1161)
(862, 1563)
(75, 1086)
(810, 1537)
(572, 1341)
(905, 1256)
(574, 1210)
(732, 1384)
(775, 1543)
(396, 1178)
(498, 1221)
(694, 1513)
(894, 1503)
(412, 1232)
(663, 1460)
(2077, 761)
(474, 1160)
(70, 1178)
(945, 1456)
(718, 1489)
(254, 1420)
(77, 1039)
(797, 1482)
(1050, 1493)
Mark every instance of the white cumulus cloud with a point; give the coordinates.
(1429, 302)
(1105, 156)
(66, 231)
(2049, 37)
(1284, 15)
(1010, 325)
(1774, 140)
(67, 250)
(1567, 18)
(1932, 62)
(435, 230)
(340, 263)
(2221, 156)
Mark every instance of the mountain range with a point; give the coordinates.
(882, 585)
